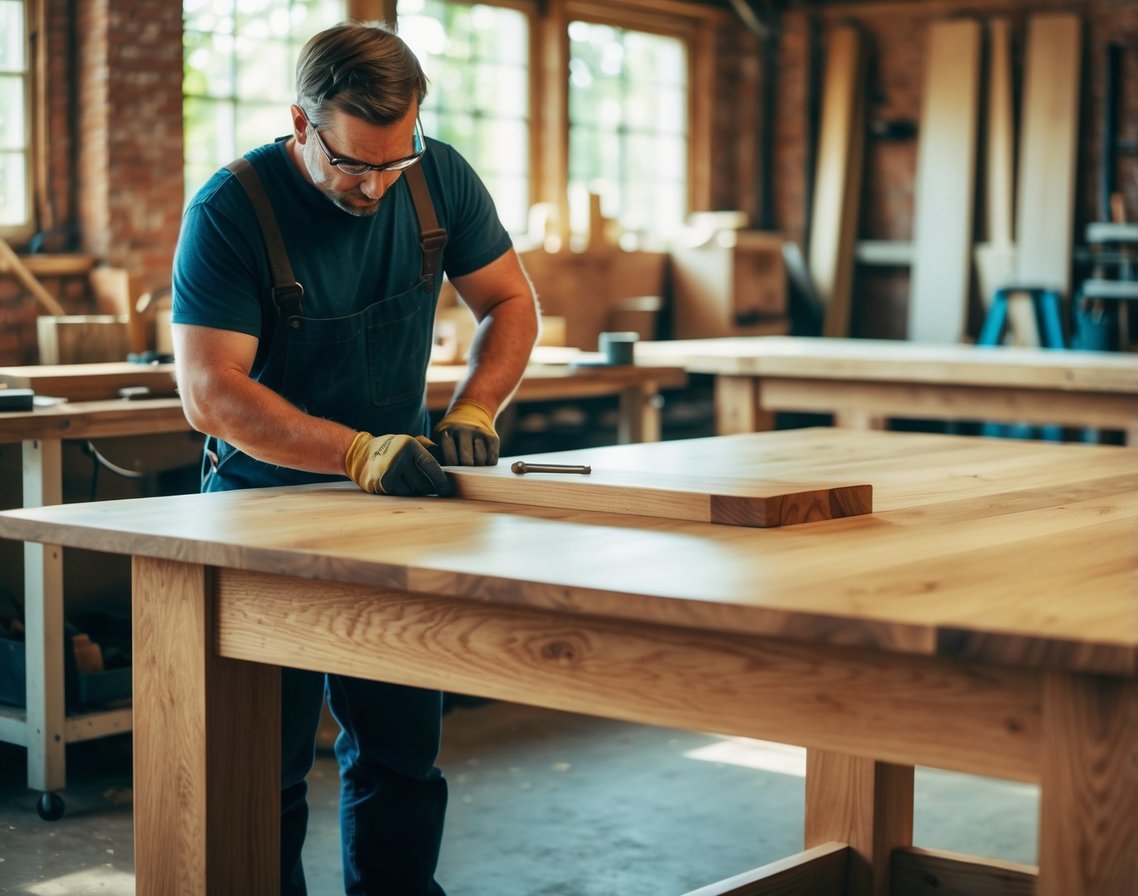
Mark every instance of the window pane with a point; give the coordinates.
(477, 61)
(13, 134)
(14, 209)
(240, 74)
(209, 132)
(261, 122)
(12, 35)
(266, 69)
(15, 124)
(628, 123)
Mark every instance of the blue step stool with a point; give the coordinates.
(1047, 305)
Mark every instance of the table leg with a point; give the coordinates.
(206, 746)
(639, 414)
(862, 802)
(1088, 826)
(45, 693)
(738, 406)
(859, 420)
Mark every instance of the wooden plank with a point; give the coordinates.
(946, 169)
(837, 179)
(999, 165)
(818, 871)
(996, 258)
(89, 382)
(1045, 208)
(865, 803)
(1089, 761)
(927, 872)
(727, 500)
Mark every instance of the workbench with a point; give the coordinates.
(980, 619)
(94, 411)
(863, 382)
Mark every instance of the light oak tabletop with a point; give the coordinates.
(896, 360)
(995, 550)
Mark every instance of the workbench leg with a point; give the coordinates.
(862, 802)
(738, 406)
(1088, 826)
(640, 415)
(859, 420)
(45, 693)
(206, 746)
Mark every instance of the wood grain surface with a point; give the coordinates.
(704, 498)
(974, 548)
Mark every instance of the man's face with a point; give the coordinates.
(351, 140)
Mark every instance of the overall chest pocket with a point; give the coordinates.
(399, 333)
(365, 370)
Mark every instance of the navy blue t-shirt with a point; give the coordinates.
(221, 268)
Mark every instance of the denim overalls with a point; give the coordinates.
(368, 371)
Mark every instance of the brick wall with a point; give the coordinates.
(114, 147)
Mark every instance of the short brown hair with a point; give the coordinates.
(362, 68)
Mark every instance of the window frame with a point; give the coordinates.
(35, 124)
(692, 24)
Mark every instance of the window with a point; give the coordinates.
(477, 60)
(240, 74)
(15, 120)
(628, 128)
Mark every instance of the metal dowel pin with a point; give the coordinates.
(520, 467)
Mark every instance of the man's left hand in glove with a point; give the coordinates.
(466, 435)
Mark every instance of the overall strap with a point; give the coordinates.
(287, 292)
(432, 238)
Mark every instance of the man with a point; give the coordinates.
(325, 378)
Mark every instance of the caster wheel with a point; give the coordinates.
(50, 806)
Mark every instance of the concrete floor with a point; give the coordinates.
(542, 804)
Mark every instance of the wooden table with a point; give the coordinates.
(982, 619)
(44, 727)
(637, 387)
(864, 381)
(94, 411)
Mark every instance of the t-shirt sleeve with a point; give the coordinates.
(475, 235)
(215, 278)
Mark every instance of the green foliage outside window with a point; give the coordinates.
(628, 101)
(477, 61)
(240, 74)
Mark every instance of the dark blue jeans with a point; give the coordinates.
(392, 797)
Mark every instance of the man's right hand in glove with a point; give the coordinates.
(395, 465)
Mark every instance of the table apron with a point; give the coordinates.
(951, 402)
(906, 709)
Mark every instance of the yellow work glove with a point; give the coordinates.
(466, 435)
(395, 465)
